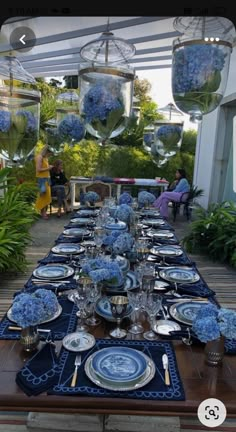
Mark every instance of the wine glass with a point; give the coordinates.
(80, 298)
(152, 307)
(119, 306)
(137, 299)
(94, 292)
(98, 238)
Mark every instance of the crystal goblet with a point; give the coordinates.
(119, 306)
(94, 292)
(137, 299)
(153, 305)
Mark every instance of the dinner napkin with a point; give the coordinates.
(57, 258)
(40, 373)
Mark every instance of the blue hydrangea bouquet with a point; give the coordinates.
(145, 199)
(103, 270)
(32, 309)
(71, 128)
(91, 197)
(211, 322)
(103, 111)
(196, 77)
(169, 135)
(17, 129)
(124, 213)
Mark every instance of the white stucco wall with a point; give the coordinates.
(206, 141)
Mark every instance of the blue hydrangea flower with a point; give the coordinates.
(100, 269)
(124, 243)
(5, 121)
(71, 127)
(124, 213)
(91, 197)
(206, 329)
(99, 103)
(169, 134)
(31, 124)
(31, 309)
(145, 198)
(125, 198)
(111, 238)
(147, 138)
(211, 322)
(195, 65)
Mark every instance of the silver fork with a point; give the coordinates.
(77, 364)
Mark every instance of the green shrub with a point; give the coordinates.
(214, 233)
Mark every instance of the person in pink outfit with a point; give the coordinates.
(181, 187)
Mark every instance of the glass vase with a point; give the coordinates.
(29, 338)
(19, 109)
(214, 351)
(167, 137)
(105, 99)
(199, 75)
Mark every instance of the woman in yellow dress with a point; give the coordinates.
(43, 179)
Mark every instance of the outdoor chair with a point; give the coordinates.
(185, 202)
(104, 190)
(54, 198)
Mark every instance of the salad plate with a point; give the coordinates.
(185, 311)
(68, 249)
(76, 232)
(179, 274)
(166, 251)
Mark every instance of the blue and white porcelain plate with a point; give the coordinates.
(82, 221)
(130, 282)
(119, 364)
(67, 249)
(165, 234)
(153, 222)
(76, 232)
(178, 274)
(87, 212)
(166, 251)
(150, 213)
(185, 312)
(53, 271)
(103, 308)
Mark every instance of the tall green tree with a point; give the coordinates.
(189, 142)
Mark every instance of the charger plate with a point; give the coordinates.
(185, 312)
(166, 251)
(79, 341)
(179, 274)
(119, 364)
(82, 221)
(115, 386)
(53, 272)
(68, 249)
(153, 222)
(76, 232)
(52, 318)
(165, 234)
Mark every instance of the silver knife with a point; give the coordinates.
(165, 363)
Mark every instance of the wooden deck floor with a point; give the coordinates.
(221, 278)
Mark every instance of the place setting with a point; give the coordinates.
(121, 368)
(63, 253)
(168, 254)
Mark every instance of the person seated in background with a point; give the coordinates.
(180, 187)
(58, 183)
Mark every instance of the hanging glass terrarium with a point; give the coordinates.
(106, 90)
(168, 132)
(19, 109)
(200, 63)
(67, 103)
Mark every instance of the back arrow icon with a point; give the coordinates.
(22, 39)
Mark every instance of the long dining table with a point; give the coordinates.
(198, 380)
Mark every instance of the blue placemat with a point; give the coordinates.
(56, 258)
(64, 239)
(64, 324)
(155, 390)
